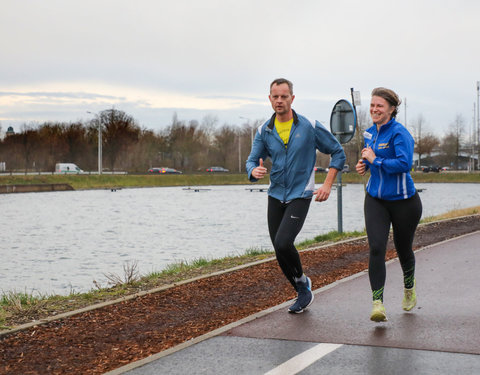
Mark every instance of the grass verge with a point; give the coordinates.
(93, 181)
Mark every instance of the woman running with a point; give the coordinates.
(391, 197)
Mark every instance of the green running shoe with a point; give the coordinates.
(378, 312)
(409, 298)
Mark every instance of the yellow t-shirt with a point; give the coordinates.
(283, 129)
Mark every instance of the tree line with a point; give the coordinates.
(189, 146)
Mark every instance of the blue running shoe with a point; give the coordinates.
(304, 297)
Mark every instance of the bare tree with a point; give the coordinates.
(425, 140)
(452, 142)
(28, 142)
(52, 146)
(224, 146)
(119, 133)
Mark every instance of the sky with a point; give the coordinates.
(67, 60)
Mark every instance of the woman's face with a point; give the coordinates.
(380, 110)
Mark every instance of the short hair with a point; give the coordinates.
(281, 81)
(390, 96)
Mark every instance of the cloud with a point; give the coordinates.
(63, 58)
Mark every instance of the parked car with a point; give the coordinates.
(67, 168)
(163, 170)
(319, 169)
(217, 169)
(431, 168)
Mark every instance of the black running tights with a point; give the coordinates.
(404, 216)
(285, 220)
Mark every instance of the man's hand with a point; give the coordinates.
(322, 193)
(260, 171)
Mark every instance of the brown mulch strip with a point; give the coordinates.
(101, 340)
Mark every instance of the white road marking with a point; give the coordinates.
(303, 360)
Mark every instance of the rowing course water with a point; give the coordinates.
(61, 242)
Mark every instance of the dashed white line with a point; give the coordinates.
(303, 360)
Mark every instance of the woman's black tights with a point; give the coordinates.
(404, 216)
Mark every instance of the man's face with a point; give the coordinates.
(281, 99)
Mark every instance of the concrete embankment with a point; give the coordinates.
(34, 188)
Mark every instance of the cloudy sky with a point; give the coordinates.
(60, 59)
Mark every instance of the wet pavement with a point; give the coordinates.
(441, 335)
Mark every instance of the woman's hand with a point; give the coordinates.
(361, 168)
(368, 154)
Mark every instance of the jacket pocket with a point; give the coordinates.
(277, 177)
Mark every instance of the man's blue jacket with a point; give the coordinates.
(390, 177)
(293, 175)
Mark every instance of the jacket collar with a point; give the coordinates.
(387, 125)
(271, 123)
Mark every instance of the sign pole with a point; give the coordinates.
(339, 202)
(343, 122)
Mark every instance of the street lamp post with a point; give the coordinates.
(477, 140)
(248, 123)
(239, 153)
(99, 146)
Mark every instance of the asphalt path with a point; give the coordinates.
(441, 335)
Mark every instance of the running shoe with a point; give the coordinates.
(409, 298)
(304, 297)
(378, 312)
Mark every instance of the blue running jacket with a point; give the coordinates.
(393, 146)
(293, 175)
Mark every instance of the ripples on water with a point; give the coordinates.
(60, 242)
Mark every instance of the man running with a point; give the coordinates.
(291, 141)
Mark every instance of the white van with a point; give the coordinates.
(67, 168)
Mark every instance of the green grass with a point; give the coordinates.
(80, 182)
(452, 214)
(332, 236)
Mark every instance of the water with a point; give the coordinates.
(59, 242)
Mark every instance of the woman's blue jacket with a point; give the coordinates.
(393, 146)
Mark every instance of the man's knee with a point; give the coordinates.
(282, 245)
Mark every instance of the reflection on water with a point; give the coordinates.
(61, 241)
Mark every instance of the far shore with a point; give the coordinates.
(118, 181)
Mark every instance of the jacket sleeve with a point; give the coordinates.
(326, 143)
(258, 151)
(402, 162)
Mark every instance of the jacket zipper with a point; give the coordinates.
(375, 149)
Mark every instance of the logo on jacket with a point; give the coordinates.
(382, 146)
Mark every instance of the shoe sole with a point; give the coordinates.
(303, 309)
(378, 318)
(408, 308)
